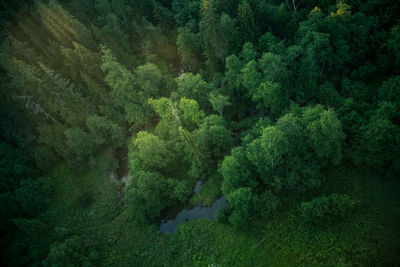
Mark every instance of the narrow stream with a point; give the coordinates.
(197, 212)
(169, 225)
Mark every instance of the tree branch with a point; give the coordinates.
(30, 104)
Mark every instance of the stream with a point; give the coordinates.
(197, 212)
(179, 213)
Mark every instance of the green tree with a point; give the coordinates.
(102, 7)
(390, 90)
(242, 203)
(233, 66)
(196, 153)
(147, 195)
(165, 108)
(33, 195)
(163, 16)
(104, 131)
(268, 151)
(61, 25)
(71, 252)
(393, 44)
(152, 151)
(316, 50)
(325, 133)
(194, 87)
(266, 203)
(131, 91)
(181, 190)
(218, 102)
(80, 144)
(300, 173)
(148, 78)
(215, 41)
(186, 13)
(32, 228)
(229, 28)
(381, 141)
(192, 115)
(327, 209)
(121, 9)
(236, 171)
(248, 52)
(274, 68)
(189, 48)
(214, 135)
(271, 96)
(247, 22)
(14, 166)
(251, 77)
(271, 43)
(119, 78)
(113, 35)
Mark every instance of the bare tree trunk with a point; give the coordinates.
(175, 114)
(30, 104)
(7, 32)
(293, 6)
(323, 68)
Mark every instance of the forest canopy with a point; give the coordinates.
(113, 111)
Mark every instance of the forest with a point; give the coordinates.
(199, 133)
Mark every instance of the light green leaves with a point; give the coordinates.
(325, 133)
(219, 101)
(151, 150)
(267, 151)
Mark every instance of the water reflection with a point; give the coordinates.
(195, 213)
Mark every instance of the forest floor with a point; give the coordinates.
(88, 205)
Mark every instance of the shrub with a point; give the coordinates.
(326, 209)
(267, 203)
(222, 215)
(84, 198)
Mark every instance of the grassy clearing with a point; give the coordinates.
(81, 204)
(370, 237)
(87, 205)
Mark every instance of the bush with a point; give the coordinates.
(267, 203)
(242, 203)
(147, 195)
(71, 252)
(326, 209)
(84, 198)
(222, 215)
(181, 190)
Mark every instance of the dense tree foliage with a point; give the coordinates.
(324, 210)
(71, 252)
(260, 100)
